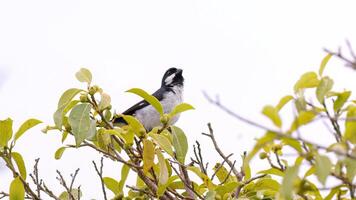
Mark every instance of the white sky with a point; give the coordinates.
(248, 52)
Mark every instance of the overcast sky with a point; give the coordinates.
(248, 52)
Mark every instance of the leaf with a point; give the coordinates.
(112, 185)
(17, 190)
(84, 75)
(333, 192)
(20, 164)
(207, 181)
(210, 195)
(322, 167)
(310, 172)
(226, 188)
(181, 108)
(80, 122)
(105, 101)
(75, 193)
(272, 171)
(124, 173)
(284, 100)
(323, 63)
(303, 118)
(350, 165)
(148, 155)
(341, 100)
(63, 102)
(163, 142)
(272, 113)
(307, 80)
(350, 125)
(5, 131)
(149, 98)
(180, 144)
(323, 88)
(163, 171)
(58, 154)
(291, 175)
(25, 126)
(223, 174)
(135, 124)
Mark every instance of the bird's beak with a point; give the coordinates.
(179, 71)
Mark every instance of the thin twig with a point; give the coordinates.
(100, 174)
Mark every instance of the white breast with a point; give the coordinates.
(150, 118)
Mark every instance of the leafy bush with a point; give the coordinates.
(159, 157)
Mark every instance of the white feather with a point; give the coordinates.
(169, 79)
(150, 118)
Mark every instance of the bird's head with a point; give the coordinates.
(173, 77)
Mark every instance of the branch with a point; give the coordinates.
(100, 174)
(64, 184)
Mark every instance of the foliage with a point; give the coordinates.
(158, 157)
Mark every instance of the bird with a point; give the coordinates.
(170, 94)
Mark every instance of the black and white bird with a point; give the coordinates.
(169, 94)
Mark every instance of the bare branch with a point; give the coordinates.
(100, 174)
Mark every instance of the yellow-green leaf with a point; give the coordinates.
(181, 108)
(20, 164)
(148, 155)
(307, 80)
(63, 103)
(58, 154)
(149, 98)
(284, 100)
(25, 126)
(272, 113)
(163, 171)
(323, 88)
(302, 119)
(17, 190)
(207, 181)
(350, 125)
(104, 101)
(5, 131)
(272, 171)
(291, 175)
(223, 174)
(322, 167)
(323, 63)
(84, 75)
(341, 100)
(112, 185)
(163, 142)
(80, 122)
(135, 124)
(124, 173)
(180, 144)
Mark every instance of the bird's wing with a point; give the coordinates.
(158, 94)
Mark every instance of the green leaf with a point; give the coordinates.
(181, 108)
(163, 142)
(272, 171)
(20, 164)
(333, 192)
(310, 172)
(323, 88)
(5, 131)
(75, 193)
(80, 122)
(302, 119)
(226, 188)
(210, 195)
(272, 113)
(17, 190)
(84, 75)
(112, 185)
(207, 181)
(135, 125)
(223, 174)
(284, 100)
(124, 173)
(63, 103)
(58, 154)
(163, 171)
(341, 100)
(322, 167)
(25, 126)
(307, 80)
(350, 165)
(323, 63)
(350, 125)
(148, 155)
(149, 98)
(180, 144)
(291, 175)
(105, 101)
